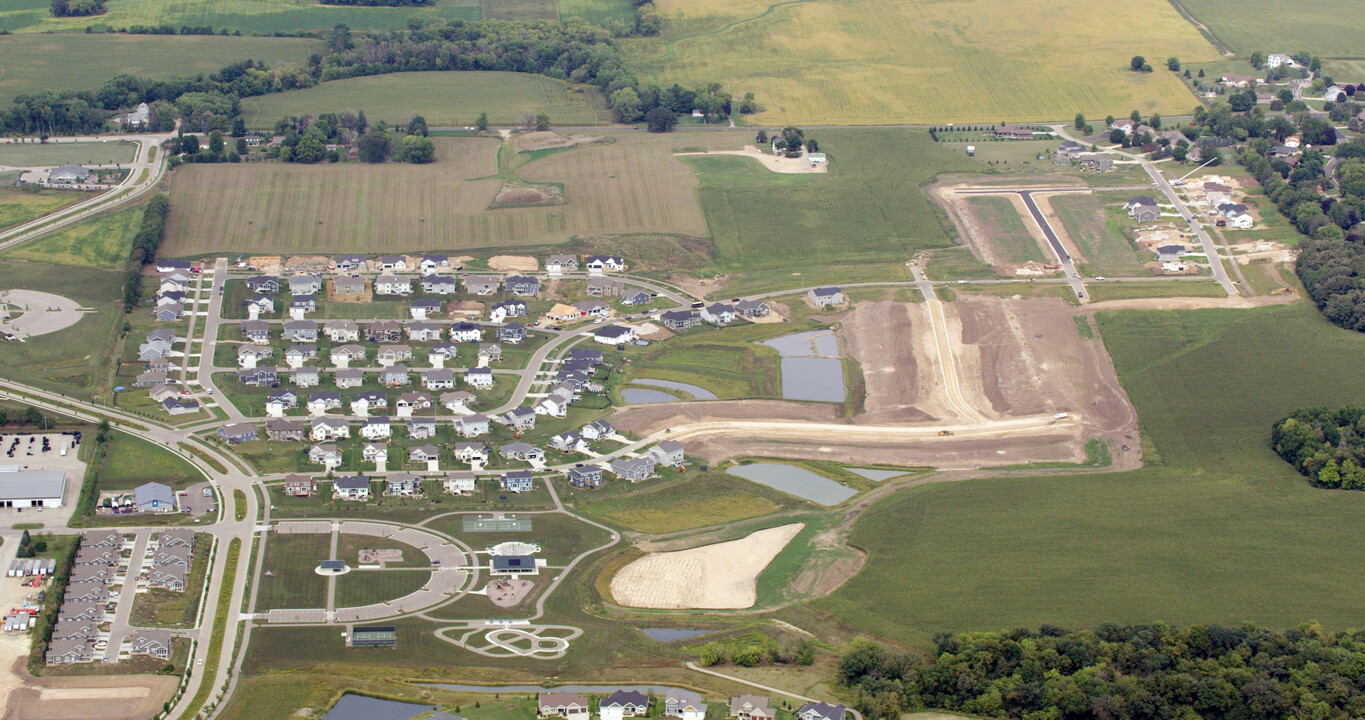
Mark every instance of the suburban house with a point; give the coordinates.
(432, 263)
(374, 452)
(392, 262)
(347, 263)
(522, 418)
(372, 399)
(349, 289)
(460, 483)
(264, 284)
(521, 451)
(750, 309)
(393, 285)
(260, 376)
(299, 485)
(329, 428)
(632, 469)
(592, 308)
(410, 402)
(471, 452)
(751, 707)
(438, 379)
(328, 455)
(466, 332)
(561, 264)
(614, 335)
(481, 284)
(556, 403)
(402, 484)
(321, 402)
(306, 376)
(440, 352)
(149, 379)
(679, 319)
(390, 355)
(173, 406)
(604, 287)
(256, 331)
(1012, 132)
(341, 331)
(599, 263)
(522, 285)
(376, 427)
(506, 309)
(825, 296)
(344, 355)
(596, 430)
(718, 314)
(296, 355)
(285, 431)
(668, 453)
(1067, 150)
(562, 313)
(422, 428)
(423, 308)
(305, 285)
(237, 433)
(570, 441)
(280, 400)
(352, 488)
(347, 378)
(423, 331)
(438, 284)
(513, 332)
(623, 704)
(156, 643)
(457, 401)
(517, 481)
(479, 378)
(1274, 60)
(1236, 214)
(472, 425)
(394, 376)
(1142, 209)
(489, 352)
(255, 307)
(585, 476)
(301, 331)
(820, 711)
(169, 313)
(635, 297)
(562, 705)
(686, 704)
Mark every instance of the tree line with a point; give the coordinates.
(1326, 445)
(77, 8)
(1118, 672)
(145, 244)
(575, 51)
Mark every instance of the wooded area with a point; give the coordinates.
(1324, 444)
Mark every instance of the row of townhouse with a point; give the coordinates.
(88, 603)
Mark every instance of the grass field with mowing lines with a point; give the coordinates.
(291, 560)
(710, 499)
(1331, 28)
(1128, 290)
(20, 206)
(364, 587)
(1096, 234)
(100, 242)
(633, 185)
(78, 358)
(869, 208)
(598, 11)
(1005, 227)
(443, 98)
(69, 61)
(520, 10)
(249, 16)
(1086, 549)
(49, 154)
(887, 62)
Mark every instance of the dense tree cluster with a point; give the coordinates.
(145, 245)
(575, 51)
(1139, 672)
(1326, 445)
(77, 8)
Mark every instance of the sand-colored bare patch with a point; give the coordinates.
(103, 697)
(723, 576)
(515, 195)
(265, 264)
(513, 263)
(549, 140)
(776, 163)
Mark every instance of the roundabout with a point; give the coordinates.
(29, 313)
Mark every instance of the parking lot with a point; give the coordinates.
(28, 455)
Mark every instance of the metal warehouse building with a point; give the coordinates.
(31, 488)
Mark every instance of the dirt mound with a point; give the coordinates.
(513, 263)
(514, 195)
(530, 142)
(720, 576)
(308, 263)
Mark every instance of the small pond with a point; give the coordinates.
(796, 481)
(641, 395)
(695, 391)
(359, 707)
(671, 634)
(877, 475)
(811, 369)
(532, 689)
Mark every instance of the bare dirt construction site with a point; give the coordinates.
(993, 372)
(722, 576)
(106, 697)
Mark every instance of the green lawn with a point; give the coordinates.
(1216, 529)
(443, 98)
(79, 359)
(1012, 241)
(290, 582)
(562, 537)
(158, 607)
(1098, 234)
(54, 153)
(669, 505)
(1125, 291)
(248, 16)
(350, 544)
(77, 62)
(20, 206)
(365, 587)
(869, 208)
(100, 242)
(133, 461)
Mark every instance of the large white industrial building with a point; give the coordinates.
(21, 488)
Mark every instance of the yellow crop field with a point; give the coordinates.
(633, 185)
(927, 61)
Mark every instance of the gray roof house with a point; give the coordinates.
(667, 453)
(301, 331)
(633, 469)
(237, 433)
(824, 296)
(585, 476)
(820, 711)
(685, 704)
(155, 498)
(305, 285)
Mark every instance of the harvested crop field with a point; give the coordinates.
(723, 576)
(815, 62)
(630, 186)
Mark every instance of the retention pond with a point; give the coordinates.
(796, 481)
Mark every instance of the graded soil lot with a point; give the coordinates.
(630, 186)
(1015, 360)
(722, 576)
(443, 98)
(108, 697)
(884, 61)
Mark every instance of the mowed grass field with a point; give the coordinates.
(443, 98)
(633, 185)
(78, 359)
(70, 61)
(1004, 227)
(1217, 529)
(709, 499)
(19, 206)
(290, 580)
(249, 16)
(920, 61)
(1096, 235)
(54, 153)
(1331, 28)
(100, 242)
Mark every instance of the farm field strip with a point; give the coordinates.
(248, 16)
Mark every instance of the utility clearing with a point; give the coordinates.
(723, 576)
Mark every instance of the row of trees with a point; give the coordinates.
(789, 142)
(574, 50)
(77, 8)
(145, 244)
(1142, 672)
(28, 547)
(1326, 445)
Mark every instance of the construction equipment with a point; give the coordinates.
(945, 433)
